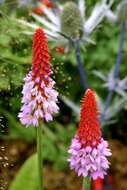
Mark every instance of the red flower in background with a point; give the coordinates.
(60, 50)
(38, 10)
(47, 3)
(98, 184)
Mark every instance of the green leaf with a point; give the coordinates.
(4, 83)
(27, 178)
(4, 79)
(71, 105)
(17, 130)
(49, 149)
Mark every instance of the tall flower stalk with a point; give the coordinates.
(39, 96)
(88, 150)
(116, 70)
(86, 183)
(40, 157)
(83, 76)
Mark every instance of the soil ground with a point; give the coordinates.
(13, 153)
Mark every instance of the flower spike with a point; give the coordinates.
(89, 127)
(89, 151)
(39, 97)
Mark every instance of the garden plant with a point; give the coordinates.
(63, 93)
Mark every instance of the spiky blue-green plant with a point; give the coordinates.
(122, 11)
(71, 21)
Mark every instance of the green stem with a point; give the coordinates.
(86, 183)
(40, 160)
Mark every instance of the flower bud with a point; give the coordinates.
(72, 21)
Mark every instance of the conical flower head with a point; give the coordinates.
(89, 131)
(39, 97)
(40, 58)
(72, 21)
(89, 150)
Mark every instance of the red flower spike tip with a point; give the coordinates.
(41, 59)
(89, 131)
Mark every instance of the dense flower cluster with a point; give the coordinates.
(39, 96)
(89, 150)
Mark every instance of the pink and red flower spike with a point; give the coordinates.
(39, 96)
(88, 150)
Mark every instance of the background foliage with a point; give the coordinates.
(15, 61)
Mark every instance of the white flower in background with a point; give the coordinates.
(120, 14)
(69, 22)
(112, 83)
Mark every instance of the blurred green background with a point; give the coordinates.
(15, 62)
